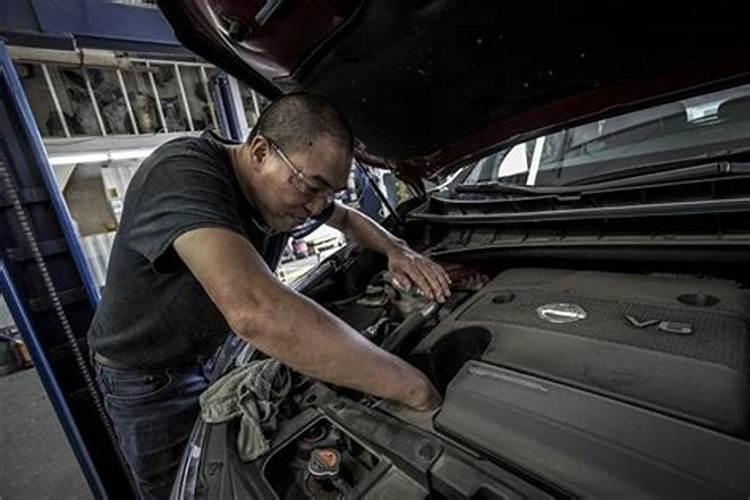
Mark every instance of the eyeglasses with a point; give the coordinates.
(306, 185)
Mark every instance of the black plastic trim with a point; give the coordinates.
(653, 209)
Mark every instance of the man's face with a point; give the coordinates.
(290, 187)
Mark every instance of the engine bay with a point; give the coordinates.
(556, 383)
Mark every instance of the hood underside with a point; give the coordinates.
(432, 84)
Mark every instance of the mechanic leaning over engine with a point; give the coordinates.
(203, 226)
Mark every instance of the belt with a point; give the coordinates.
(111, 363)
(105, 361)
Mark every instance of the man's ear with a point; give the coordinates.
(258, 149)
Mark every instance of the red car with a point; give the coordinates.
(598, 234)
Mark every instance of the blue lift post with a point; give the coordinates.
(227, 112)
(49, 289)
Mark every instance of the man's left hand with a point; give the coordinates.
(410, 269)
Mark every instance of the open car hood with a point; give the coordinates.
(432, 84)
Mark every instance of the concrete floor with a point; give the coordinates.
(35, 458)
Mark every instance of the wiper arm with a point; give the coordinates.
(714, 169)
(500, 187)
(612, 180)
(671, 171)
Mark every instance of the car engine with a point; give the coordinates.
(556, 383)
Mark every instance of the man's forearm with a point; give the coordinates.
(312, 341)
(369, 233)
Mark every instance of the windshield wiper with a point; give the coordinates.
(612, 180)
(713, 169)
(687, 168)
(500, 187)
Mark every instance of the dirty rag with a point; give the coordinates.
(252, 393)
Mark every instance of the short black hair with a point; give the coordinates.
(295, 120)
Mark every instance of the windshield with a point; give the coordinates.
(709, 123)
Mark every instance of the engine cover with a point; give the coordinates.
(674, 346)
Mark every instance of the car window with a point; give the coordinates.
(668, 132)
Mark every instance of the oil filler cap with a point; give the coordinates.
(324, 462)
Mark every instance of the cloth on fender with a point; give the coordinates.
(252, 392)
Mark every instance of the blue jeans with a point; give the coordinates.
(153, 413)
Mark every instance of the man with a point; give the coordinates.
(203, 225)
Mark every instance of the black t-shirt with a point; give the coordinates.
(153, 311)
